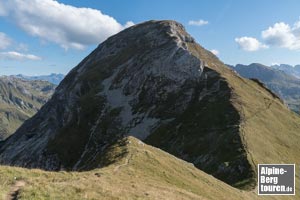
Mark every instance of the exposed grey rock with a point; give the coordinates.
(143, 82)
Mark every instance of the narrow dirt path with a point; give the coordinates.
(15, 190)
(124, 164)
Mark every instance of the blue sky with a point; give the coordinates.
(46, 36)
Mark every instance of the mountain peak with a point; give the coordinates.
(154, 82)
(137, 83)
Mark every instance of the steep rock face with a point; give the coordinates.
(154, 82)
(19, 100)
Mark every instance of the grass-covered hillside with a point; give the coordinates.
(268, 129)
(204, 112)
(144, 172)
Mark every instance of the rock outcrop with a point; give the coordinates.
(154, 82)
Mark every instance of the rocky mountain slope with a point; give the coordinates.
(52, 78)
(19, 100)
(284, 85)
(154, 82)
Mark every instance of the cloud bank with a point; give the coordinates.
(65, 25)
(283, 35)
(280, 35)
(249, 44)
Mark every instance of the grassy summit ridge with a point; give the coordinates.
(207, 115)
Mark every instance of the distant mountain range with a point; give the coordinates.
(52, 78)
(289, 69)
(281, 79)
(19, 100)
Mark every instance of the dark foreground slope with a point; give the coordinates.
(153, 82)
(20, 100)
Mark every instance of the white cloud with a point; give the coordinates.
(214, 51)
(128, 24)
(13, 55)
(250, 44)
(5, 41)
(66, 25)
(283, 35)
(200, 22)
